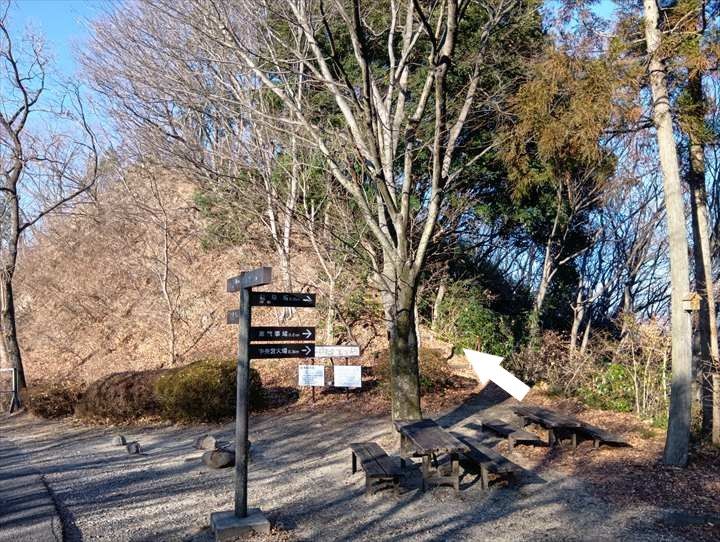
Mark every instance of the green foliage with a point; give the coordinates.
(467, 321)
(611, 389)
(204, 391)
(53, 399)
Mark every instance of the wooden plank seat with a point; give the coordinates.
(381, 472)
(488, 460)
(514, 434)
(558, 426)
(601, 436)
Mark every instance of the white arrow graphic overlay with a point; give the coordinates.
(487, 367)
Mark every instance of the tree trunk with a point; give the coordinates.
(548, 271)
(9, 329)
(578, 316)
(586, 334)
(404, 373)
(678, 433)
(330, 315)
(707, 347)
(437, 306)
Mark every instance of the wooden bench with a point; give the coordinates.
(514, 435)
(599, 436)
(488, 460)
(380, 470)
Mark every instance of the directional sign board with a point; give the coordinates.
(250, 279)
(281, 299)
(270, 333)
(280, 350)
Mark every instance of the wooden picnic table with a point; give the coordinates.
(425, 438)
(556, 424)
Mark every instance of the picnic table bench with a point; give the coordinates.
(601, 436)
(425, 438)
(381, 472)
(488, 460)
(514, 434)
(556, 424)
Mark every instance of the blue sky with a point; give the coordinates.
(61, 22)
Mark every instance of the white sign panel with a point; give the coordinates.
(311, 375)
(487, 367)
(347, 376)
(341, 351)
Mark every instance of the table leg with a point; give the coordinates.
(425, 470)
(455, 464)
(484, 482)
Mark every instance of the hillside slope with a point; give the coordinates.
(90, 288)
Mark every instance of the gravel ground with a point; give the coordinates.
(300, 476)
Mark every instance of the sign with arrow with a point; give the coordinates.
(487, 367)
(281, 299)
(280, 350)
(290, 333)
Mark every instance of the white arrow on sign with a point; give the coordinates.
(306, 350)
(307, 333)
(487, 367)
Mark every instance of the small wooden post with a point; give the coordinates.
(313, 387)
(716, 409)
(241, 416)
(347, 390)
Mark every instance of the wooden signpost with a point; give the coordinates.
(241, 521)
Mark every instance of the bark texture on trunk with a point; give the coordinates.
(9, 330)
(404, 372)
(678, 434)
(707, 344)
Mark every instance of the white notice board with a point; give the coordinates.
(347, 376)
(311, 375)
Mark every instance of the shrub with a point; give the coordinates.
(466, 321)
(435, 374)
(204, 391)
(611, 389)
(549, 360)
(53, 399)
(121, 397)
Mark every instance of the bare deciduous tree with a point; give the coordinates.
(48, 158)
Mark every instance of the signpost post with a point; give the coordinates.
(231, 524)
(226, 524)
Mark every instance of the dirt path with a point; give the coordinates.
(300, 476)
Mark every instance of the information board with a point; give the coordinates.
(311, 375)
(347, 376)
